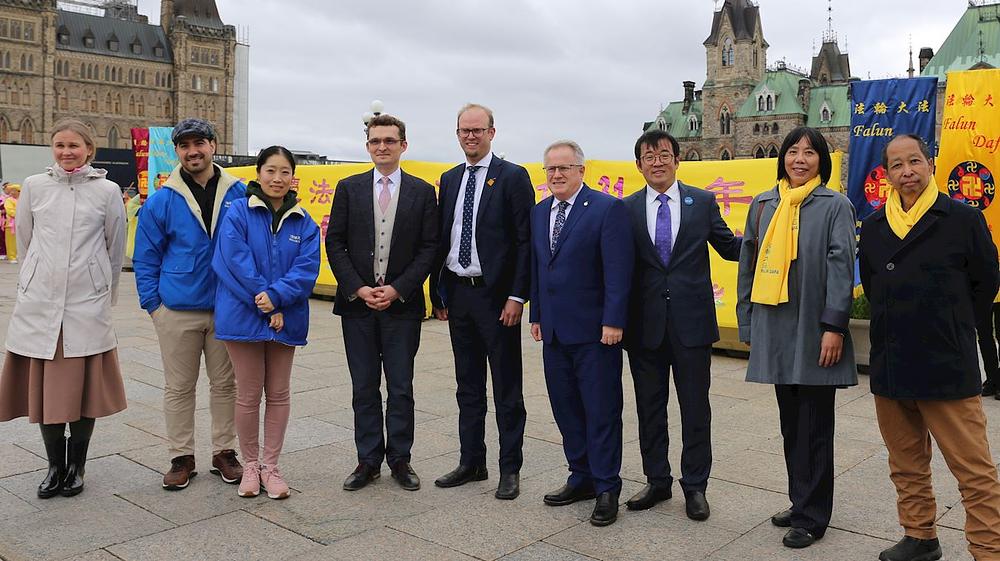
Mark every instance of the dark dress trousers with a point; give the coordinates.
(927, 292)
(672, 326)
(575, 290)
(477, 335)
(387, 339)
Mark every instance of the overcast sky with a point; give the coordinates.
(589, 70)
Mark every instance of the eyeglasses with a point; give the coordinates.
(662, 157)
(551, 170)
(389, 142)
(474, 132)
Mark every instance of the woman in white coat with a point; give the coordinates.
(62, 364)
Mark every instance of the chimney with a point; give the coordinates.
(926, 54)
(805, 85)
(166, 15)
(688, 95)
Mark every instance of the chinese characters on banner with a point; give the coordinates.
(881, 109)
(734, 183)
(969, 158)
(154, 157)
(140, 147)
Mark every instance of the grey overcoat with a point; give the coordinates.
(785, 339)
(71, 234)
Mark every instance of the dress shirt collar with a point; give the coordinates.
(673, 192)
(483, 164)
(394, 179)
(571, 200)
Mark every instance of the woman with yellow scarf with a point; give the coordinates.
(796, 278)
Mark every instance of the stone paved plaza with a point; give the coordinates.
(124, 514)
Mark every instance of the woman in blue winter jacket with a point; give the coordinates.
(267, 262)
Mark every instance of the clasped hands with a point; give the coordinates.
(378, 298)
(264, 304)
(609, 335)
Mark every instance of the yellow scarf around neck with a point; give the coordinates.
(902, 221)
(780, 245)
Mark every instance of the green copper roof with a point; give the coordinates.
(836, 100)
(961, 50)
(785, 83)
(677, 122)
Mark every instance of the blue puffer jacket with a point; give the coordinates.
(173, 250)
(250, 260)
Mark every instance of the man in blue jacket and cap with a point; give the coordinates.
(174, 243)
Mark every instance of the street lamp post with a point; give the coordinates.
(376, 109)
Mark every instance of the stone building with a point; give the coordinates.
(745, 106)
(113, 69)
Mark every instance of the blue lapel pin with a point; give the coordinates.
(688, 201)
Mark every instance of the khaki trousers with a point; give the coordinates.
(959, 429)
(184, 336)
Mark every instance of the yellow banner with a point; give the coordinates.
(968, 159)
(734, 183)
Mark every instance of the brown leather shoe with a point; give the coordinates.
(180, 474)
(226, 466)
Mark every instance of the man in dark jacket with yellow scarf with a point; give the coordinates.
(929, 266)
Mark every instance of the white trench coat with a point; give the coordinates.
(71, 239)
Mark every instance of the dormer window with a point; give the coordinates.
(158, 51)
(88, 40)
(137, 48)
(692, 123)
(825, 115)
(63, 38)
(113, 45)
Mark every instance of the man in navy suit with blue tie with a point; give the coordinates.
(581, 272)
(479, 284)
(672, 322)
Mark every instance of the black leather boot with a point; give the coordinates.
(55, 448)
(76, 456)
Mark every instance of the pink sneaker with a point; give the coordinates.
(273, 483)
(250, 484)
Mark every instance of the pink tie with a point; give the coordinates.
(384, 195)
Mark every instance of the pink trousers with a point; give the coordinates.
(262, 368)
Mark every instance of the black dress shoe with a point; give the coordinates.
(989, 388)
(568, 495)
(462, 475)
(648, 497)
(797, 538)
(361, 476)
(912, 549)
(696, 505)
(606, 509)
(509, 487)
(782, 519)
(405, 476)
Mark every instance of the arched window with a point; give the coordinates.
(760, 103)
(112, 137)
(31, 63)
(727, 52)
(693, 156)
(26, 95)
(93, 102)
(755, 58)
(773, 153)
(142, 106)
(170, 80)
(142, 79)
(131, 105)
(118, 104)
(131, 76)
(24, 62)
(770, 102)
(756, 128)
(15, 95)
(27, 132)
(107, 73)
(774, 128)
(725, 155)
(692, 123)
(759, 153)
(168, 109)
(107, 103)
(725, 121)
(767, 128)
(825, 116)
(4, 130)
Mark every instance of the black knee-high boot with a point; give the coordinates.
(79, 440)
(54, 437)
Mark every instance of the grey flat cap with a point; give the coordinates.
(193, 127)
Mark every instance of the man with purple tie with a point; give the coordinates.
(672, 322)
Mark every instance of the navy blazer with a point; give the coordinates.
(350, 243)
(502, 230)
(686, 281)
(585, 283)
(927, 293)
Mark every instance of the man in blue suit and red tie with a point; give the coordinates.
(581, 271)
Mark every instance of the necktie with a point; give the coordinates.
(664, 235)
(560, 222)
(468, 203)
(384, 195)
